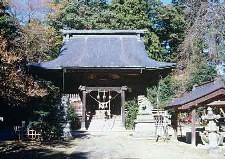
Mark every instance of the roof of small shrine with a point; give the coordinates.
(199, 94)
(97, 49)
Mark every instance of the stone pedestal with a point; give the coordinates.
(213, 140)
(66, 125)
(145, 126)
(144, 123)
(145, 130)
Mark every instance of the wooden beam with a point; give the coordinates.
(193, 132)
(101, 89)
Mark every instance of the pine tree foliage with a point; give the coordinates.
(169, 27)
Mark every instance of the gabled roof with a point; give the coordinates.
(198, 92)
(103, 49)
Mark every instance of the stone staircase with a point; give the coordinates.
(111, 124)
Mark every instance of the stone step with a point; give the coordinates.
(113, 123)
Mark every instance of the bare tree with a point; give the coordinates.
(29, 9)
(206, 24)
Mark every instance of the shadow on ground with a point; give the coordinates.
(37, 150)
(42, 154)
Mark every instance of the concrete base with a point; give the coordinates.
(215, 153)
(145, 129)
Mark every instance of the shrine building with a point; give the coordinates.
(195, 102)
(105, 67)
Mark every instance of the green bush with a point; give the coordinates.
(131, 113)
(47, 114)
(73, 119)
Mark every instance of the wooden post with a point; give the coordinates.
(83, 89)
(122, 107)
(83, 110)
(123, 89)
(193, 133)
(174, 123)
(63, 80)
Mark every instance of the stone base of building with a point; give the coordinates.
(145, 129)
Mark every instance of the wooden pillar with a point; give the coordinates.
(83, 89)
(193, 132)
(174, 122)
(123, 89)
(122, 107)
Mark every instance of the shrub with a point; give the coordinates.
(131, 113)
(47, 114)
(73, 119)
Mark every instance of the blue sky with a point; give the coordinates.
(166, 1)
(39, 8)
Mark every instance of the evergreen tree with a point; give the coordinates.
(129, 14)
(169, 26)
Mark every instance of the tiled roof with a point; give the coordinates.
(198, 92)
(103, 49)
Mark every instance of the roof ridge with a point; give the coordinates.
(204, 83)
(217, 79)
(102, 32)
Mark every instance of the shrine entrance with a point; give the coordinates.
(102, 107)
(92, 60)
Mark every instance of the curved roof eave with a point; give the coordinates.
(40, 66)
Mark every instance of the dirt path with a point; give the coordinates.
(122, 145)
(112, 145)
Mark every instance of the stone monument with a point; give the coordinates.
(212, 135)
(66, 125)
(145, 122)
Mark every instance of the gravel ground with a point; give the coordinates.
(122, 145)
(108, 145)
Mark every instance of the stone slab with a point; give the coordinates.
(144, 129)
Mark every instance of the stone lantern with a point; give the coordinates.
(214, 137)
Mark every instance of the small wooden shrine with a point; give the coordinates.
(103, 66)
(210, 94)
